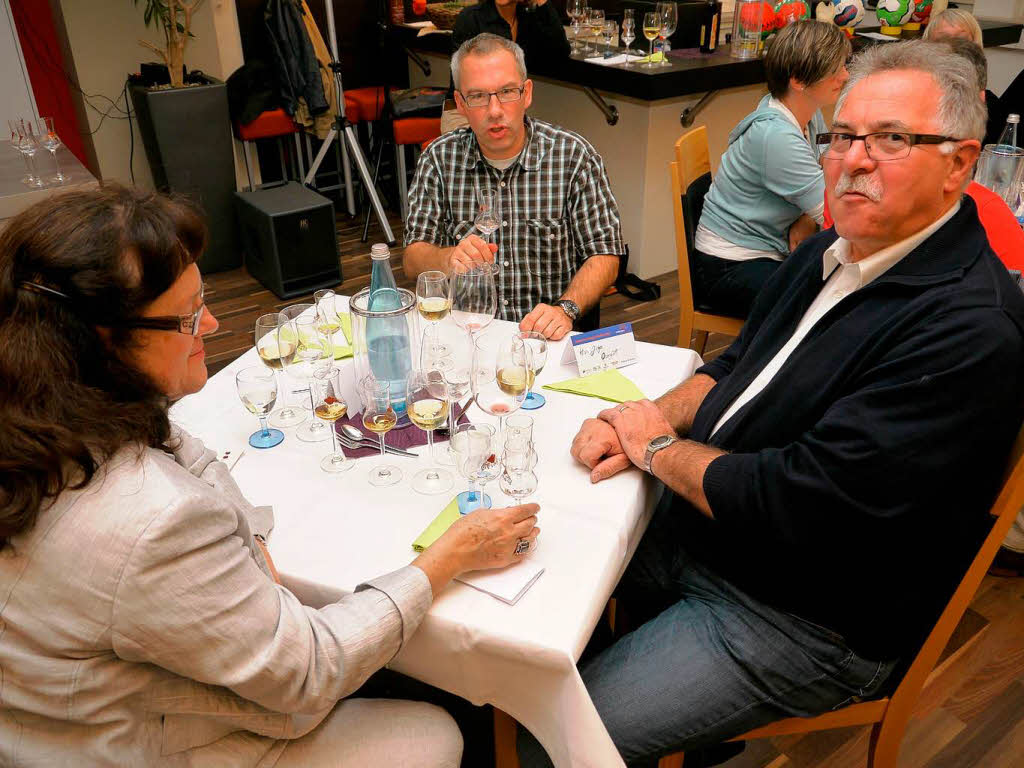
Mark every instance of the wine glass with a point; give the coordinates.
(330, 406)
(596, 22)
(628, 34)
(456, 367)
(574, 9)
(538, 346)
(325, 301)
(313, 351)
(51, 142)
(518, 479)
(668, 15)
(269, 346)
(257, 389)
(24, 141)
(16, 138)
(434, 353)
(652, 27)
(611, 32)
(519, 426)
(428, 402)
(473, 297)
(486, 221)
(432, 303)
(476, 459)
(501, 369)
(379, 416)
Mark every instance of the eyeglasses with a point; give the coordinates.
(477, 99)
(186, 324)
(881, 146)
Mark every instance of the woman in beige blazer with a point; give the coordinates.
(139, 625)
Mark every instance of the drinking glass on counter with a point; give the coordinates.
(380, 418)
(427, 402)
(326, 302)
(330, 406)
(668, 16)
(473, 297)
(276, 349)
(432, 303)
(628, 34)
(574, 9)
(611, 32)
(51, 142)
(257, 389)
(538, 347)
(23, 139)
(652, 27)
(313, 351)
(476, 458)
(596, 23)
(500, 375)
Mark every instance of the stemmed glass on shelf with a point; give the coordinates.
(596, 23)
(473, 297)
(628, 31)
(668, 16)
(428, 401)
(380, 418)
(574, 9)
(500, 375)
(24, 141)
(275, 350)
(51, 142)
(330, 406)
(432, 303)
(610, 32)
(652, 28)
(313, 351)
(257, 389)
(476, 457)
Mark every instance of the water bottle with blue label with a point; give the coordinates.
(387, 338)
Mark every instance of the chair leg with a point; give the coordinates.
(248, 170)
(884, 744)
(505, 754)
(284, 164)
(403, 191)
(702, 342)
(299, 159)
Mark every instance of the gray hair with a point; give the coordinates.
(961, 113)
(484, 44)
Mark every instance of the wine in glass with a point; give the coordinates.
(596, 23)
(652, 27)
(476, 459)
(668, 16)
(327, 312)
(330, 406)
(500, 375)
(313, 351)
(538, 347)
(276, 349)
(432, 303)
(257, 389)
(380, 418)
(51, 143)
(473, 297)
(428, 400)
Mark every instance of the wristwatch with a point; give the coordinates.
(571, 308)
(659, 443)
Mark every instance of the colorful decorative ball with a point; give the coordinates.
(848, 12)
(749, 17)
(788, 11)
(894, 13)
(922, 12)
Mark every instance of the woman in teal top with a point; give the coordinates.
(769, 192)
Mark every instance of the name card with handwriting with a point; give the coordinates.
(593, 351)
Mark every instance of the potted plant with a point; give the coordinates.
(186, 130)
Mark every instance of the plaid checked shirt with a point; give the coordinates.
(555, 206)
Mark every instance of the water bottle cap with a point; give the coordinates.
(379, 251)
(1013, 118)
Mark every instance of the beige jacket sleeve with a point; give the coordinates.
(192, 600)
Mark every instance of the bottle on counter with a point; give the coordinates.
(387, 338)
(710, 26)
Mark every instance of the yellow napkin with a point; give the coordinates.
(439, 525)
(342, 351)
(659, 56)
(607, 385)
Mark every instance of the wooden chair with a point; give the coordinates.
(889, 716)
(690, 175)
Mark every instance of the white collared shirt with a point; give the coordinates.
(846, 278)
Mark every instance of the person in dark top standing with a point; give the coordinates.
(534, 24)
(829, 474)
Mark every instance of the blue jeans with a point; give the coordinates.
(711, 663)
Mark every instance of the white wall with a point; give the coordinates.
(15, 90)
(1005, 61)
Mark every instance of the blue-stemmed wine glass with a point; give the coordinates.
(257, 389)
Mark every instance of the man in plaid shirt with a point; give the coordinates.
(557, 249)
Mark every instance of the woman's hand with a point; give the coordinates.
(485, 538)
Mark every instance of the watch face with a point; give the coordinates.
(661, 441)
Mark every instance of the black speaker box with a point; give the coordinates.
(289, 238)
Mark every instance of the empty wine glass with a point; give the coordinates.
(518, 479)
(380, 418)
(427, 402)
(456, 368)
(668, 16)
(432, 302)
(434, 353)
(628, 35)
(519, 426)
(276, 350)
(330, 406)
(574, 9)
(501, 369)
(610, 31)
(257, 389)
(538, 346)
(24, 141)
(313, 351)
(476, 460)
(473, 297)
(51, 142)
(486, 222)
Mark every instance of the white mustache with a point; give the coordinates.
(868, 185)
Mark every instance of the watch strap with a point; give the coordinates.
(652, 451)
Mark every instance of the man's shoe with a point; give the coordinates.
(1008, 563)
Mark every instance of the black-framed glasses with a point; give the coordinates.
(477, 99)
(186, 324)
(880, 146)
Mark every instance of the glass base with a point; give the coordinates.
(385, 474)
(466, 505)
(268, 439)
(287, 417)
(61, 178)
(533, 401)
(432, 481)
(313, 432)
(336, 463)
(35, 182)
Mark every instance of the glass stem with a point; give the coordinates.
(56, 162)
(430, 444)
(472, 490)
(32, 161)
(334, 439)
(263, 425)
(28, 167)
(381, 436)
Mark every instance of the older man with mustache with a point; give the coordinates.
(829, 475)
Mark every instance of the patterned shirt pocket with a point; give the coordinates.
(549, 242)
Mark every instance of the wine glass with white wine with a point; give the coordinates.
(432, 303)
(652, 28)
(380, 418)
(257, 389)
(313, 351)
(501, 373)
(276, 350)
(427, 403)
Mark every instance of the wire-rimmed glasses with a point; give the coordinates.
(313, 351)
(269, 346)
(330, 406)
(476, 458)
(51, 143)
(427, 404)
(473, 297)
(380, 418)
(257, 389)
(500, 375)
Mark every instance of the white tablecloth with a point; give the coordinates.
(334, 531)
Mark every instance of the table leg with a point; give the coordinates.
(505, 755)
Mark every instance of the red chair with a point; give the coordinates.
(272, 124)
(418, 131)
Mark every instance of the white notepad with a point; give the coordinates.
(507, 584)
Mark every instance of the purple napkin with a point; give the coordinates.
(409, 437)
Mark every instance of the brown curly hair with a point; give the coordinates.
(70, 396)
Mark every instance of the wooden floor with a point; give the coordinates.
(971, 716)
